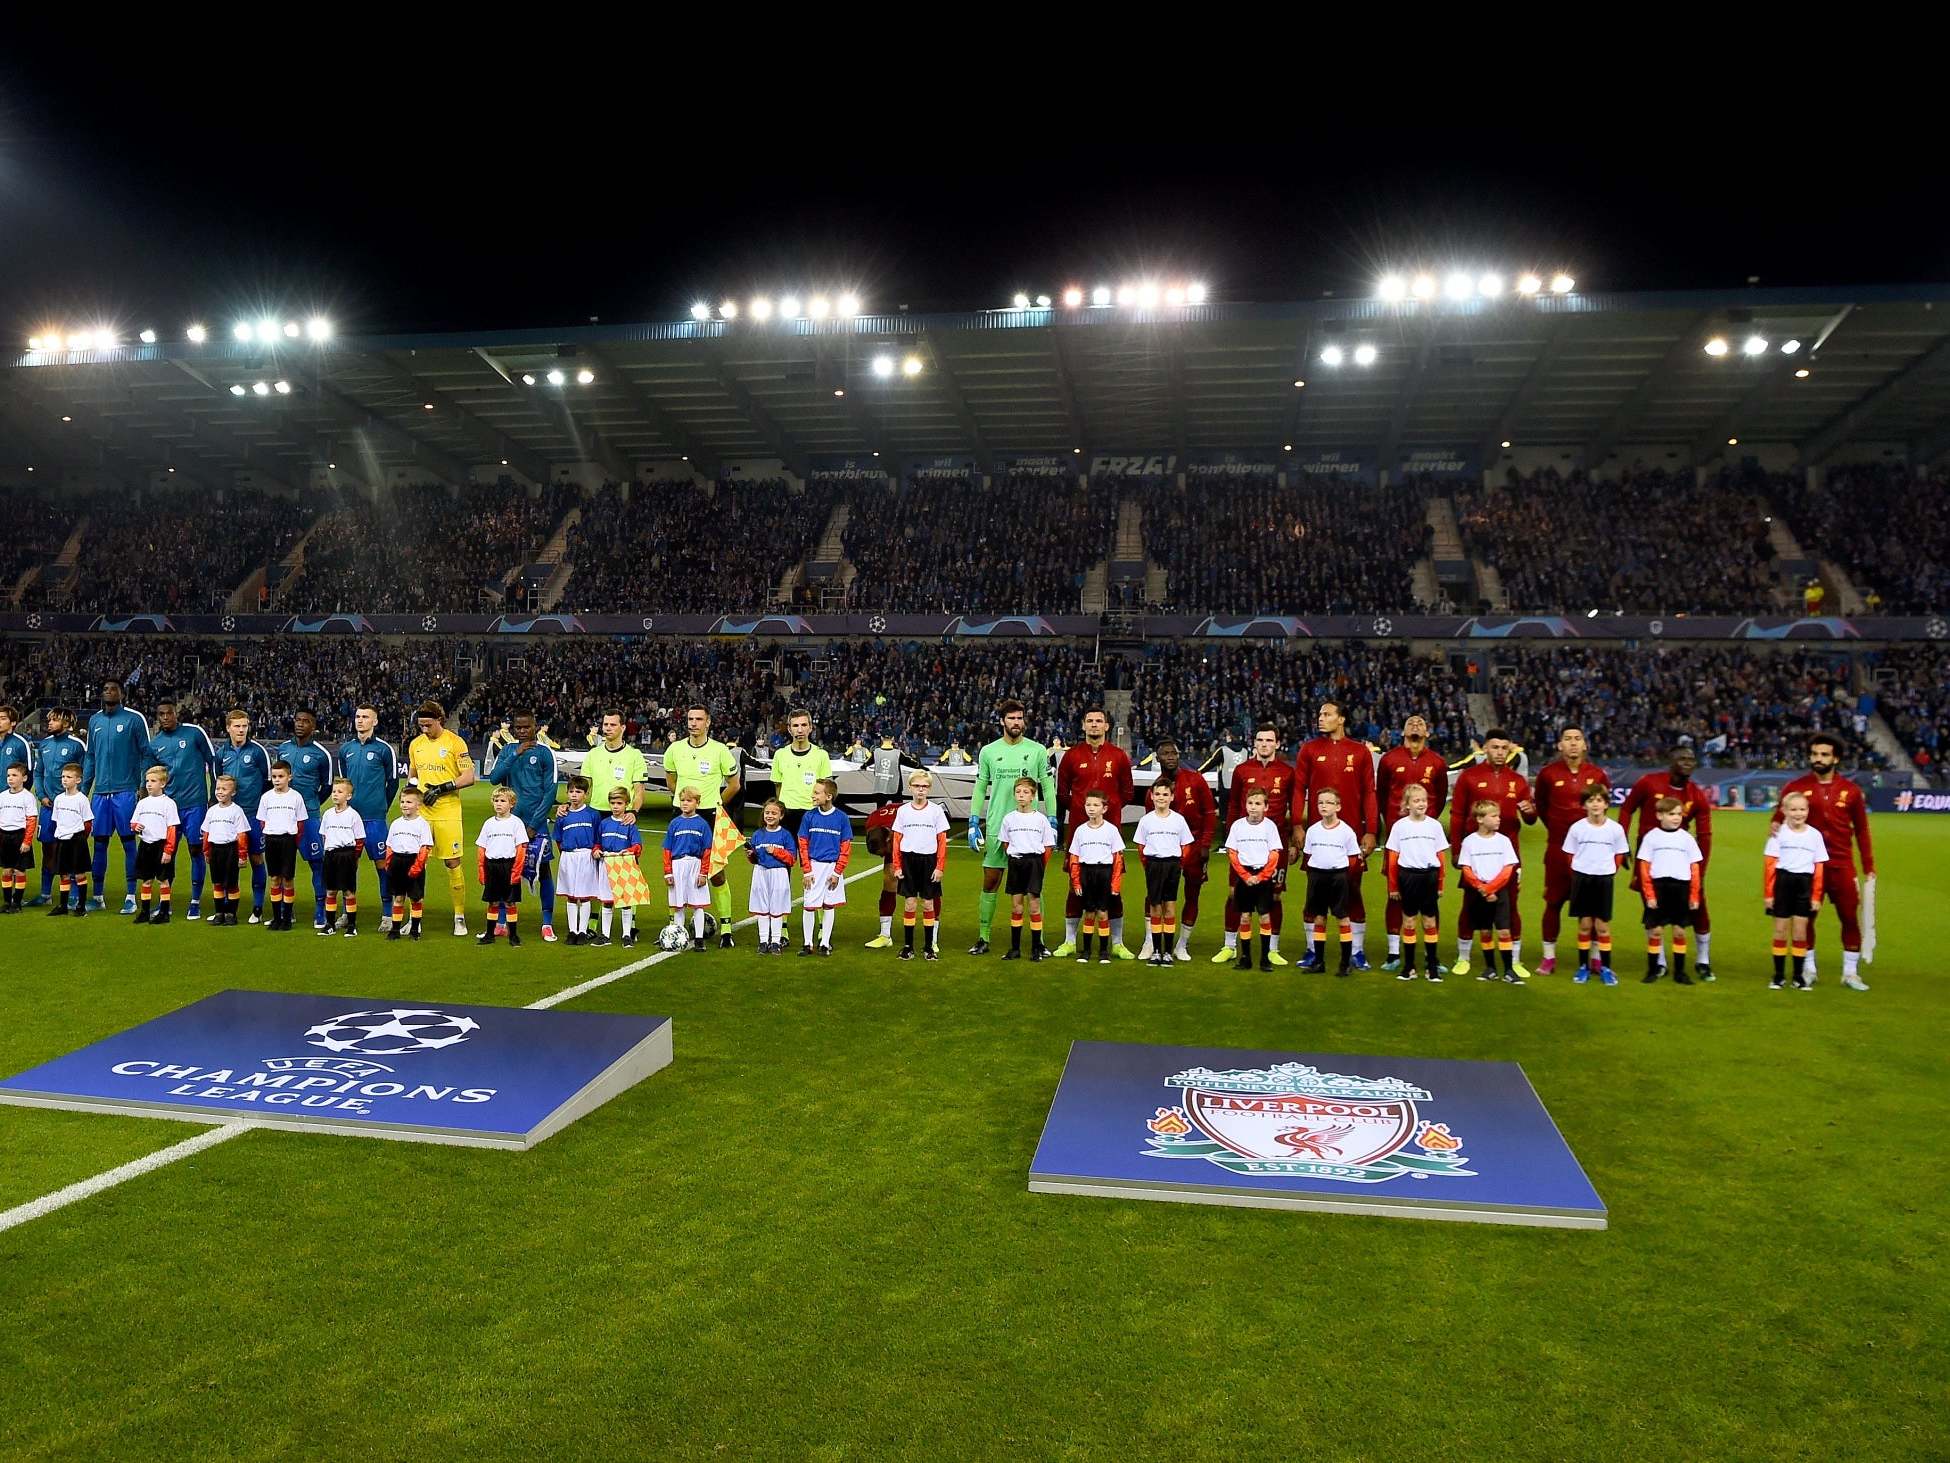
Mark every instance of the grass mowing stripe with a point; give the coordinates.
(89, 1187)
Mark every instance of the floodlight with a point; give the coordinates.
(1072, 298)
(260, 388)
(148, 337)
(236, 391)
(1717, 346)
(1801, 374)
(1529, 284)
(761, 308)
(1506, 441)
(700, 311)
(291, 331)
(819, 307)
(789, 307)
(1754, 345)
(1490, 286)
(1391, 287)
(1147, 295)
(1298, 383)
(848, 305)
(1789, 347)
(883, 366)
(1127, 294)
(1195, 293)
(1562, 284)
(1331, 356)
(1733, 441)
(556, 378)
(729, 310)
(318, 328)
(527, 378)
(911, 366)
(196, 335)
(1042, 302)
(33, 342)
(1021, 301)
(1424, 287)
(241, 331)
(1364, 355)
(1459, 286)
(283, 388)
(267, 330)
(1100, 295)
(585, 377)
(1175, 295)
(426, 406)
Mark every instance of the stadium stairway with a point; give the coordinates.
(1424, 585)
(244, 597)
(1883, 738)
(1129, 545)
(64, 561)
(1489, 586)
(1157, 584)
(1096, 588)
(22, 585)
(556, 553)
(1447, 562)
(1117, 706)
(1482, 712)
(1843, 597)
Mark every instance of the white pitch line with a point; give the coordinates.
(223, 1132)
(88, 1188)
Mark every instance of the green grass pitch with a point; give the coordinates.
(811, 1236)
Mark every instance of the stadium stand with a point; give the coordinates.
(1195, 693)
(568, 683)
(1650, 543)
(1252, 547)
(175, 550)
(424, 548)
(36, 532)
(1737, 708)
(1913, 695)
(726, 553)
(1884, 525)
(269, 678)
(1023, 546)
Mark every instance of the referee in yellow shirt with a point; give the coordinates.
(797, 767)
(438, 764)
(699, 761)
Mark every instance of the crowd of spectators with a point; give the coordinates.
(423, 547)
(568, 683)
(1247, 546)
(269, 678)
(177, 550)
(655, 550)
(36, 532)
(1651, 543)
(1884, 524)
(1198, 692)
(1734, 708)
(1020, 546)
(1913, 694)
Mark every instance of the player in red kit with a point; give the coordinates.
(1336, 762)
(1093, 765)
(1192, 799)
(1560, 790)
(1836, 811)
(1695, 816)
(1411, 764)
(1265, 772)
(880, 843)
(1497, 781)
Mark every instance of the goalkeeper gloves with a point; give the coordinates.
(433, 792)
(975, 838)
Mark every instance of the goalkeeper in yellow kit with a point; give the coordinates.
(438, 763)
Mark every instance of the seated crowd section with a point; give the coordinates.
(1247, 546)
(1737, 708)
(1653, 542)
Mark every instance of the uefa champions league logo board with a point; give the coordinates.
(1404, 1136)
(486, 1076)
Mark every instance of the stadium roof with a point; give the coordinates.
(1592, 373)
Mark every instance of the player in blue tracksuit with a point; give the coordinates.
(371, 763)
(111, 775)
(527, 768)
(14, 748)
(58, 749)
(311, 778)
(248, 764)
(191, 757)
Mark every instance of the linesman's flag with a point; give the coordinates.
(725, 839)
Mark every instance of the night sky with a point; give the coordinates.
(480, 205)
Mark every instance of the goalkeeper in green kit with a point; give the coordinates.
(1008, 757)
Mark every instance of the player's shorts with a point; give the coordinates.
(1025, 873)
(1421, 898)
(771, 890)
(281, 855)
(1197, 866)
(71, 855)
(995, 853)
(47, 826)
(190, 835)
(150, 862)
(114, 813)
(819, 896)
(375, 839)
(1591, 896)
(446, 830)
(1326, 893)
(1254, 898)
(917, 876)
(1095, 879)
(1793, 895)
(499, 885)
(688, 889)
(311, 843)
(1671, 904)
(342, 870)
(224, 861)
(15, 851)
(579, 875)
(1161, 876)
(1492, 913)
(401, 881)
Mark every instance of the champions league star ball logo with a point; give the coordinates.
(877, 624)
(391, 1033)
(431, 622)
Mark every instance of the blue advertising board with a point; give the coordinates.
(486, 1076)
(1407, 1136)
